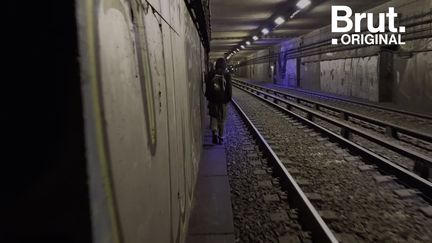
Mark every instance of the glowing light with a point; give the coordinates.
(265, 31)
(242, 46)
(303, 4)
(248, 43)
(255, 37)
(279, 20)
(295, 13)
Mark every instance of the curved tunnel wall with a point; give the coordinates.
(142, 84)
(367, 73)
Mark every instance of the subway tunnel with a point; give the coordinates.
(201, 121)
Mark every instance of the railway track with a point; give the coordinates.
(415, 128)
(413, 157)
(261, 210)
(292, 91)
(306, 213)
(342, 191)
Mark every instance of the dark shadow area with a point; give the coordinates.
(43, 175)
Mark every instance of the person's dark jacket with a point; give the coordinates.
(228, 89)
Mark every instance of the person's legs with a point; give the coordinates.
(221, 127)
(212, 107)
(214, 128)
(221, 122)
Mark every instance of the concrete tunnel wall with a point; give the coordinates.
(142, 89)
(260, 71)
(348, 73)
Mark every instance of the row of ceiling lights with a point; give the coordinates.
(278, 21)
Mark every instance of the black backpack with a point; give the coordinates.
(218, 87)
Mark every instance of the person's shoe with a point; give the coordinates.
(220, 140)
(215, 139)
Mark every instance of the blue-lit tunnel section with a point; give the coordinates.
(193, 121)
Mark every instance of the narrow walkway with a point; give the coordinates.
(212, 217)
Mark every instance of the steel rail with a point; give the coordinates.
(391, 129)
(405, 176)
(414, 114)
(310, 217)
(424, 162)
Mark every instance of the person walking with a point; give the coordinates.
(218, 94)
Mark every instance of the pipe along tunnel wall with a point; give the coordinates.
(370, 73)
(142, 88)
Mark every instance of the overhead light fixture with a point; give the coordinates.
(279, 20)
(303, 4)
(238, 49)
(265, 31)
(242, 46)
(255, 37)
(248, 43)
(294, 14)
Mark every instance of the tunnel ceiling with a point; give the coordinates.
(235, 22)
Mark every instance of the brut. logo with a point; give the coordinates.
(379, 35)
